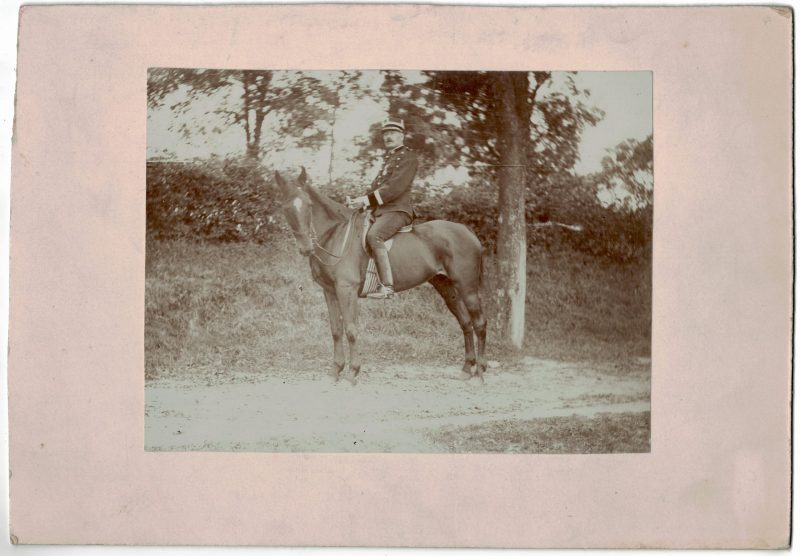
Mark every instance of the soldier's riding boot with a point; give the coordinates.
(386, 289)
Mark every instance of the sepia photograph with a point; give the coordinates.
(398, 261)
(400, 276)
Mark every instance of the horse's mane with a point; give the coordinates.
(334, 209)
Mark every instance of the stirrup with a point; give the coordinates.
(384, 292)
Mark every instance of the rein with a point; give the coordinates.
(315, 243)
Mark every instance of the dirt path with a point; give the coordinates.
(391, 409)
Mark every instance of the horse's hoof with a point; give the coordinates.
(465, 376)
(336, 372)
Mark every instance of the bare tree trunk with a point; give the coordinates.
(253, 150)
(256, 87)
(254, 146)
(333, 141)
(511, 233)
(246, 98)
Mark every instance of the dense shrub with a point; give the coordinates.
(234, 200)
(216, 200)
(473, 206)
(616, 235)
(613, 234)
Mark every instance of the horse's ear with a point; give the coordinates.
(282, 185)
(303, 178)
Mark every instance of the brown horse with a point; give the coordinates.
(445, 254)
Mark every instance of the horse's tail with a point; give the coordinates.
(481, 255)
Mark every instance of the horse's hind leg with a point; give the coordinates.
(473, 302)
(452, 299)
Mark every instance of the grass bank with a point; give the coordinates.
(222, 309)
(607, 433)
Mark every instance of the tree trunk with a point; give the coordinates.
(254, 144)
(511, 233)
(333, 142)
(256, 86)
(246, 97)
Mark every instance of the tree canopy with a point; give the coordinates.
(296, 101)
(516, 135)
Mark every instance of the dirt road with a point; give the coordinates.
(391, 409)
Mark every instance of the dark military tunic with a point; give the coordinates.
(391, 189)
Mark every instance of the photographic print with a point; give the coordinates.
(211, 342)
(398, 261)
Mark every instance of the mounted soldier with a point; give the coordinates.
(446, 255)
(389, 199)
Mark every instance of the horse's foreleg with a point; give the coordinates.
(337, 328)
(452, 299)
(348, 304)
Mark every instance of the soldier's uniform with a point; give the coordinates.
(390, 194)
(389, 197)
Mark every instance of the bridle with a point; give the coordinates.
(317, 245)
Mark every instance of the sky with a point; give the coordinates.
(625, 97)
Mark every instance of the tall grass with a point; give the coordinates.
(579, 307)
(220, 309)
(606, 433)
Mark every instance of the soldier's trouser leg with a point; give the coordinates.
(384, 228)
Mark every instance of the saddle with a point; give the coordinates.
(371, 280)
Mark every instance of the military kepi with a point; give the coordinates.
(394, 125)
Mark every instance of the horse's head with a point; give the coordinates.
(296, 207)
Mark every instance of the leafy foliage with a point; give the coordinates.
(296, 101)
(429, 126)
(474, 206)
(454, 118)
(609, 234)
(556, 111)
(234, 200)
(556, 127)
(628, 170)
(213, 200)
(345, 86)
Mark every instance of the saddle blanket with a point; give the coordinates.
(372, 280)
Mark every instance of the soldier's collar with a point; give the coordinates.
(397, 148)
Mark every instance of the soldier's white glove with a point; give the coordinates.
(358, 202)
